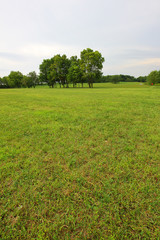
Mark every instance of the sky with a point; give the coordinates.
(125, 32)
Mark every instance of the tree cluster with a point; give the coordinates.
(122, 78)
(64, 71)
(17, 80)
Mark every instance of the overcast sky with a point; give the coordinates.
(126, 32)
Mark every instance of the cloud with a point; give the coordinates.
(133, 67)
(12, 56)
(49, 50)
(141, 53)
(125, 32)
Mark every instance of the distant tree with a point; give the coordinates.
(153, 77)
(142, 79)
(115, 79)
(127, 78)
(118, 78)
(91, 65)
(15, 79)
(25, 81)
(33, 79)
(105, 79)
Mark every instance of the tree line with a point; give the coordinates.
(60, 70)
(122, 78)
(72, 71)
(152, 79)
(17, 80)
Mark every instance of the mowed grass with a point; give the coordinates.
(80, 163)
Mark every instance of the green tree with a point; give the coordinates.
(75, 74)
(1, 83)
(59, 69)
(91, 65)
(15, 79)
(158, 77)
(25, 81)
(44, 70)
(4, 81)
(115, 79)
(54, 69)
(52, 76)
(33, 79)
(153, 77)
(142, 79)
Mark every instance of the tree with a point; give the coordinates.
(52, 76)
(142, 79)
(153, 77)
(58, 70)
(54, 70)
(158, 77)
(33, 79)
(44, 70)
(15, 79)
(91, 65)
(4, 81)
(115, 79)
(75, 74)
(25, 81)
(64, 67)
(1, 83)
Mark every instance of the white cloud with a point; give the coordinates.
(125, 32)
(42, 50)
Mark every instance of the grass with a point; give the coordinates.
(80, 163)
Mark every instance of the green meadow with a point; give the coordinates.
(80, 163)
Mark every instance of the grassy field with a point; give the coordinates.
(80, 163)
